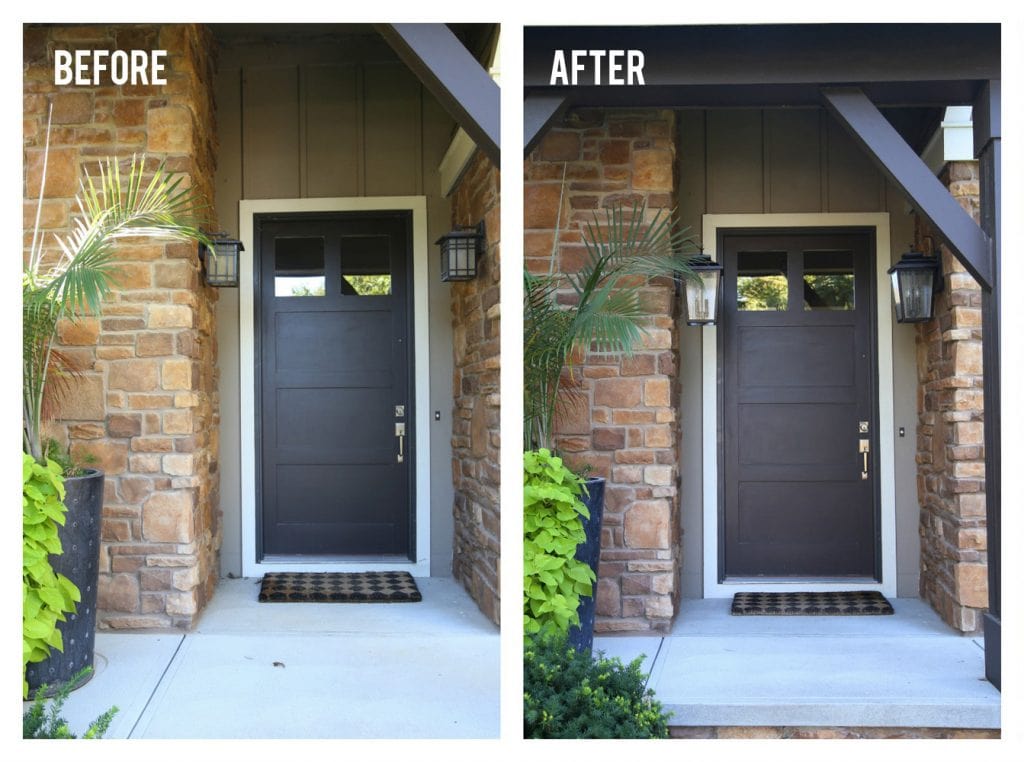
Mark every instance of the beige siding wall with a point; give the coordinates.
(332, 116)
(788, 161)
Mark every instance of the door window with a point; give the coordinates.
(299, 267)
(761, 282)
(828, 280)
(365, 266)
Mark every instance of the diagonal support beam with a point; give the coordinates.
(540, 110)
(897, 160)
(458, 81)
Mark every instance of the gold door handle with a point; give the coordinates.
(400, 433)
(864, 449)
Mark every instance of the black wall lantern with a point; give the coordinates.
(702, 291)
(220, 263)
(459, 251)
(916, 278)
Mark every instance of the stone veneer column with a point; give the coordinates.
(145, 407)
(476, 435)
(626, 429)
(951, 457)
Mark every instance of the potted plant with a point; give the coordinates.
(602, 313)
(64, 284)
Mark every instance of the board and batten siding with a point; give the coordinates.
(330, 118)
(774, 161)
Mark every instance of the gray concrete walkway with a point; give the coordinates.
(303, 670)
(905, 670)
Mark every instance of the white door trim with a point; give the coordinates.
(886, 455)
(247, 374)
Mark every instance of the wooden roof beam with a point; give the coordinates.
(540, 111)
(458, 81)
(906, 169)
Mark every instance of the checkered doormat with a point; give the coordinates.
(338, 587)
(855, 603)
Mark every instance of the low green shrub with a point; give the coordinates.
(553, 580)
(40, 722)
(569, 694)
(46, 596)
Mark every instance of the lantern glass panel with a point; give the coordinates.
(702, 297)
(913, 294)
(458, 257)
(222, 269)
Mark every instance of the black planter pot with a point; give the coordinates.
(582, 636)
(80, 539)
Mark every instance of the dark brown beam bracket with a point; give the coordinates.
(454, 77)
(540, 111)
(897, 160)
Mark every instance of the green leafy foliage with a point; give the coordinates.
(569, 694)
(553, 580)
(46, 596)
(41, 721)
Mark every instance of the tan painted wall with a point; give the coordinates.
(800, 161)
(336, 115)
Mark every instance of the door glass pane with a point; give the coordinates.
(828, 280)
(299, 267)
(761, 283)
(365, 266)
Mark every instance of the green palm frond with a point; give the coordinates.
(117, 205)
(624, 249)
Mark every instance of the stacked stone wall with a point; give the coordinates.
(476, 434)
(625, 426)
(145, 406)
(951, 434)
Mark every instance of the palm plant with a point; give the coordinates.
(115, 206)
(605, 315)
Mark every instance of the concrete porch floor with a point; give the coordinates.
(303, 670)
(905, 670)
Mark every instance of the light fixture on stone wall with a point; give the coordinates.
(220, 263)
(459, 251)
(916, 278)
(701, 290)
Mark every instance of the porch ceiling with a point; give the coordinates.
(773, 66)
(777, 54)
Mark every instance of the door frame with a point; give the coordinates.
(879, 221)
(247, 212)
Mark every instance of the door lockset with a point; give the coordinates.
(864, 449)
(400, 433)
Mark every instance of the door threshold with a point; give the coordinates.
(829, 581)
(276, 559)
(313, 564)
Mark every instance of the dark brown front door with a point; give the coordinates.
(798, 405)
(334, 366)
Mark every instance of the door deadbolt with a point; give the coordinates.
(399, 411)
